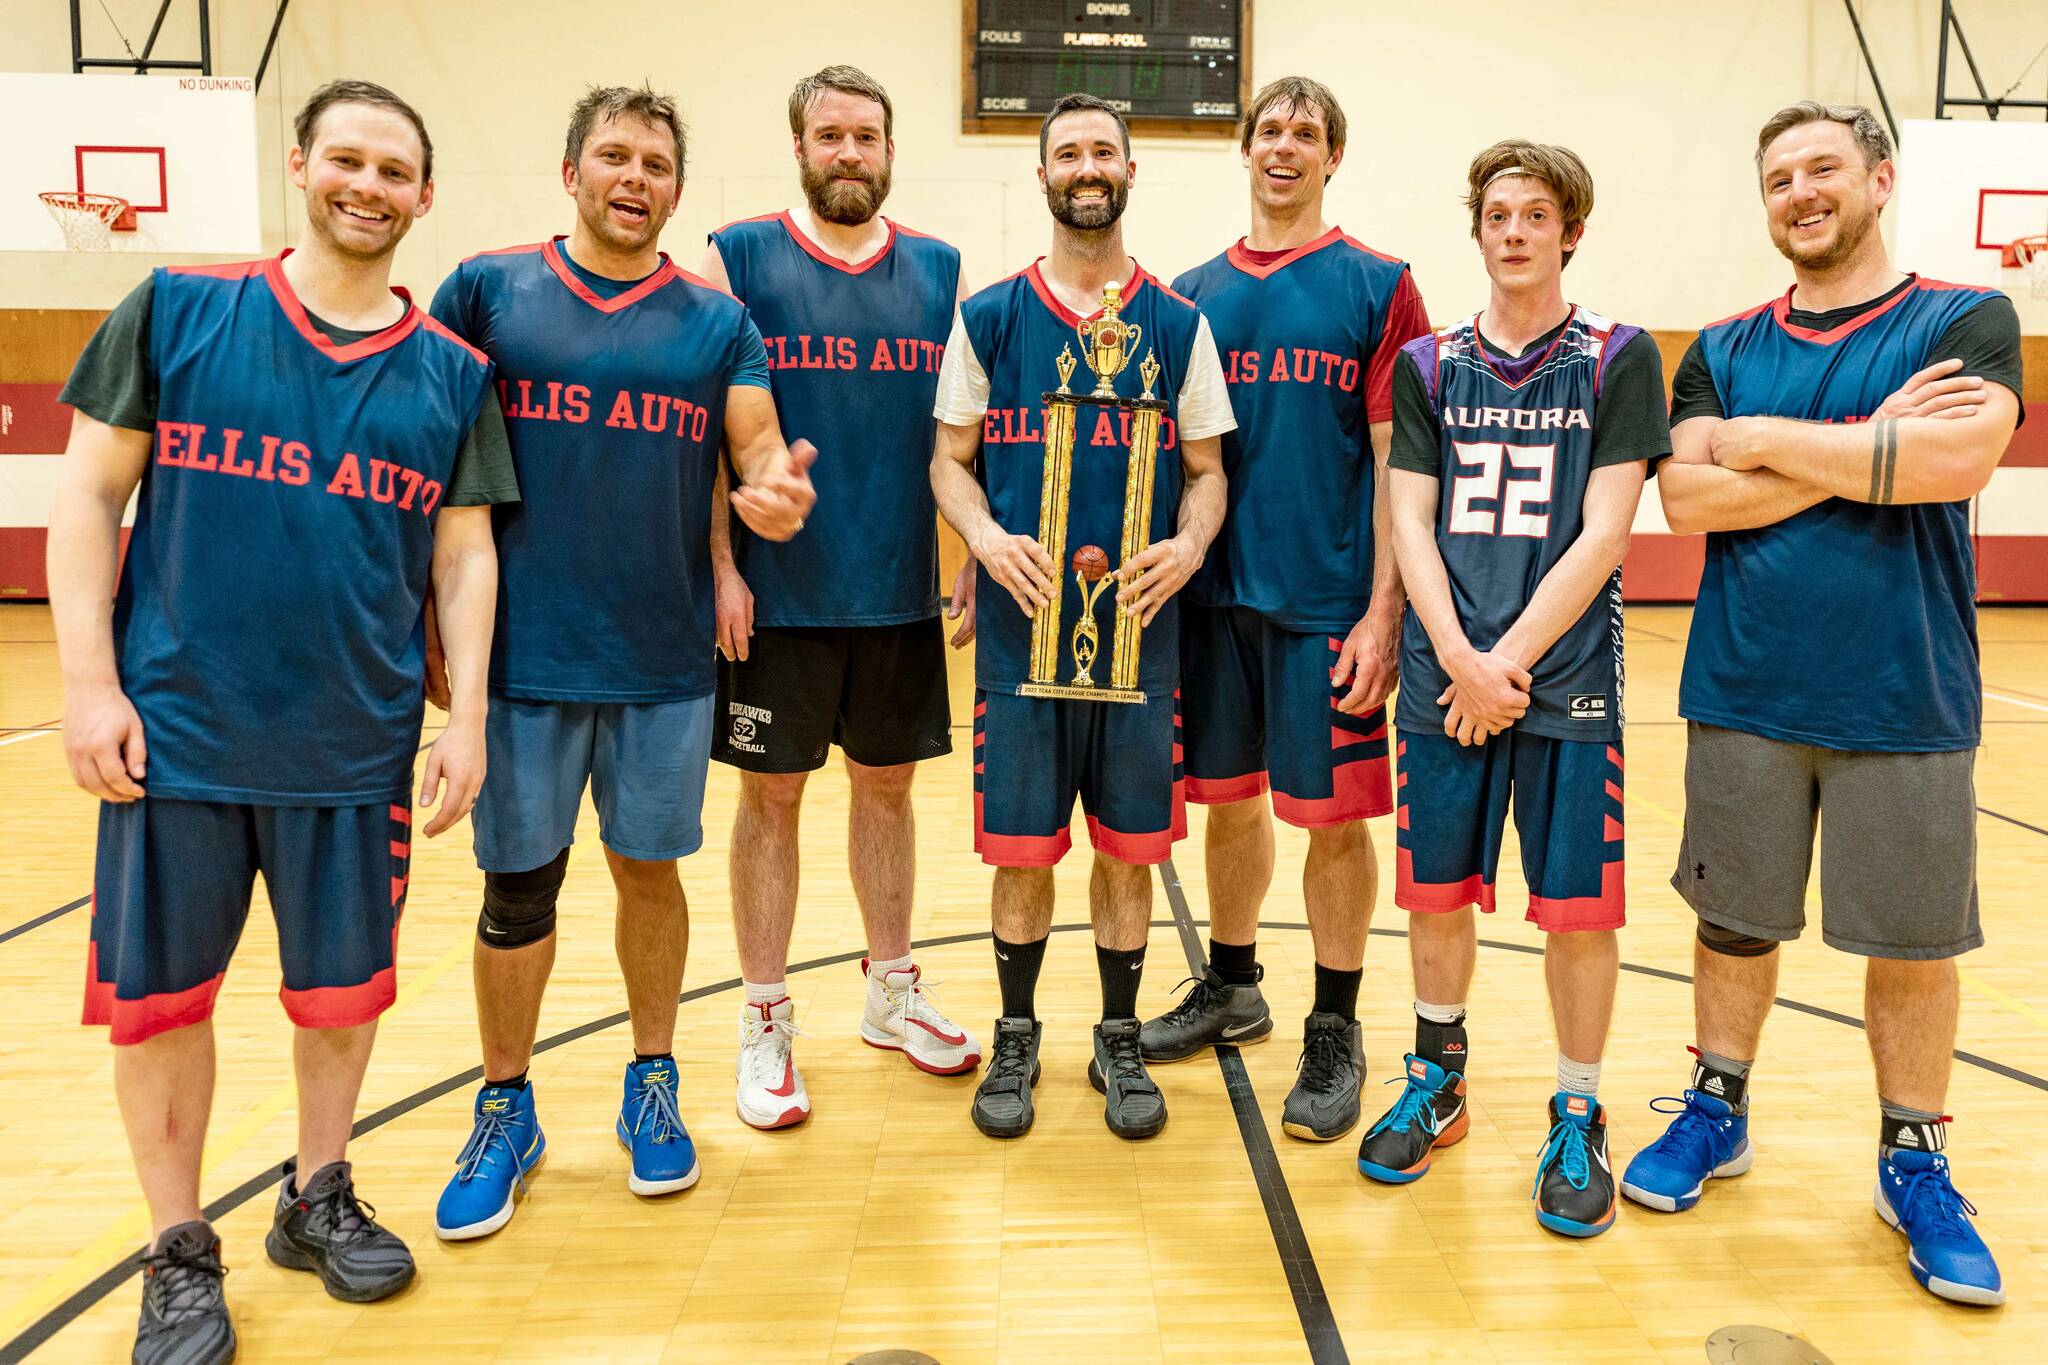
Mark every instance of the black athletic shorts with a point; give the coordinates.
(878, 692)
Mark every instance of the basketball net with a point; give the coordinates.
(87, 220)
(2031, 255)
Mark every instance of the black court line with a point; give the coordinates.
(64, 1314)
(1986, 810)
(44, 918)
(1290, 1239)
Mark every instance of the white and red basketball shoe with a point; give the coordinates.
(902, 1015)
(771, 1089)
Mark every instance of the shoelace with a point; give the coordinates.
(1197, 1001)
(779, 1036)
(1011, 1062)
(1932, 1194)
(1323, 1055)
(490, 1130)
(350, 1219)
(1125, 1061)
(1413, 1107)
(658, 1103)
(915, 1001)
(187, 1281)
(1566, 1146)
(1693, 1130)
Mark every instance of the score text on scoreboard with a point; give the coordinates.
(1178, 67)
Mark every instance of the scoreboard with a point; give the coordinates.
(1168, 65)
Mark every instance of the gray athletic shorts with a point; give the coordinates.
(1898, 863)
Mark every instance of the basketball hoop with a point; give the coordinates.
(2031, 255)
(88, 220)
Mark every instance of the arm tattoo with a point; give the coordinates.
(1884, 460)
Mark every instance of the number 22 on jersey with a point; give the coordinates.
(1513, 493)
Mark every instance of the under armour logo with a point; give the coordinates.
(1699, 871)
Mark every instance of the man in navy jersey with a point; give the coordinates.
(1829, 443)
(834, 637)
(620, 377)
(1034, 755)
(1291, 629)
(1521, 437)
(311, 449)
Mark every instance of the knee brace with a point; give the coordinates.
(519, 907)
(1731, 944)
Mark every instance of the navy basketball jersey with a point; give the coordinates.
(1016, 329)
(853, 353)
(615, 408)
(1308, 343)
(270, 618)
(1849, 625)
(1517, 443)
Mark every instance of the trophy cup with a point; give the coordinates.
(1107, 345)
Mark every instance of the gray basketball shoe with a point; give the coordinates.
(1210, 1013)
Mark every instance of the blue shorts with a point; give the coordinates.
(1260, 709)
(171, 888)
(644, 761)
(1568, 815)
(1034, 755)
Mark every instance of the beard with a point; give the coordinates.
(846, 202)
(1088, 217)
(1850, 235)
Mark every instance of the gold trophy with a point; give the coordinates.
(1107, 345)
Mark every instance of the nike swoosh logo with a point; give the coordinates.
(1448, 1119)
(788, 1086)
(1002, 956)
(1600, 1155)
(1235, 1029)
(494, 931)
(950, 1039)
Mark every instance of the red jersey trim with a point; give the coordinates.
(1742, 316)
(824, 257)
(1781, 312)
(295, 311)
(1390, 260)
(505, 251)
(551, 252)
(237, 270)
(1067, 315)
(440, 329)
(1235, 254)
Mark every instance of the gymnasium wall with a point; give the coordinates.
(1662, 100)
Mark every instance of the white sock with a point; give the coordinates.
(1440, 1014)
(877, 968)
(766, 992)
(1580, 1078)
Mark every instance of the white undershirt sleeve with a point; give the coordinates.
(1204, 398)
(962, 398)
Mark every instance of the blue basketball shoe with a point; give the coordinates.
(1916, 1197)
(651, 1128)
(1707, 1141)
(505, 1144)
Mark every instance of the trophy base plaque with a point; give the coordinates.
(1068, 692)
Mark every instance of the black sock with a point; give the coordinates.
(1443, 1044)
(1337, 991)
(642, 1057)
(516, 1083)
(1120, 969)
(1236, 963)
(1017, 967)
(1724, 1078)
(1909, 1130)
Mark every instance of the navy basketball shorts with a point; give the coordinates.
(644, 762)
(171, 890)
(1261, 710)
(1033, 756)
(1568, 816)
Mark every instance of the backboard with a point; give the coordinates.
(180, 149)
(1967, 190)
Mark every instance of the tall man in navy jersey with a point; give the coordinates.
(621, 376)
(1521, 437)
(311, 449)
(1291, 629)
(1828, 443)
(1034, 755)
(834, 637)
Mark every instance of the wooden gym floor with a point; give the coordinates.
(888, 1222)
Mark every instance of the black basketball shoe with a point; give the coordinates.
(1133, 1106)
(1323, 1106)
(1575, 1191)
(1429, 1114)
(1002, 1102)
(184, 1313)
(324, 1228)
(1211, 1012)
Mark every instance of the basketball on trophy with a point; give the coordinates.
(1091, 563)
